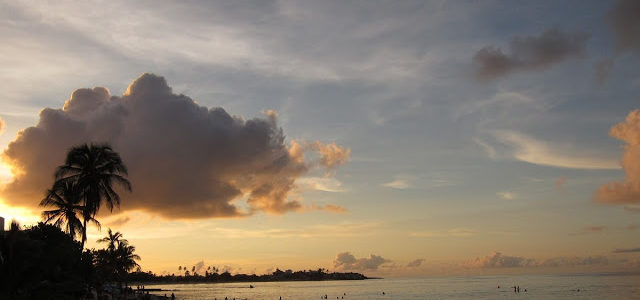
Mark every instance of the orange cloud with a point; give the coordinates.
(628, 191)
(336, 209)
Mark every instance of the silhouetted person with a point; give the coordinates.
(173, 297)
(514, 289)
(518, 289)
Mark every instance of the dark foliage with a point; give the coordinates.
(42, 262)
(278, 275)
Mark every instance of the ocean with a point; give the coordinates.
(575, 286)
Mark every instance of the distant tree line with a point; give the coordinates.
(214, 276)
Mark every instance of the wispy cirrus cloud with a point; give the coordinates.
(398, 183)
(529, 149)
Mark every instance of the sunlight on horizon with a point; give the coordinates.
(24, 216)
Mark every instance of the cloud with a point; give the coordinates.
(325, 184)
(2, 125)
(528, 53)
(415, 263)
(491, 152)
(336, 209)
(531, 150)
(632, 250)
(507, 195)
(574, 261)
(118, 222)
(628, 191)
(185, 160)
(400, 184)
(624, 19)
(498, 260)
(346, 261)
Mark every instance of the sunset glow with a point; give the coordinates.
(395, 139)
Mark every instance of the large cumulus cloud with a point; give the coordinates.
(627, 191)
(185, 160)
(528, 53)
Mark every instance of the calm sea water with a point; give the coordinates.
(603, 286)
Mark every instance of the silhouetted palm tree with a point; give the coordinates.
(113, 239)
(125, 257)
(65, 197)
(94, 169)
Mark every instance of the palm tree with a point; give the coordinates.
(125, 257)
(94, 169)
(65, 197)
(118, 259)
(114, 240)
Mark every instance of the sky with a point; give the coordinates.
(392, 138)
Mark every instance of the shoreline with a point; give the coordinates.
(246, 281)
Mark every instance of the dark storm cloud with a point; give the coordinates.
(185, 160)
(528, 53)
(346, 261)
(624, 19)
